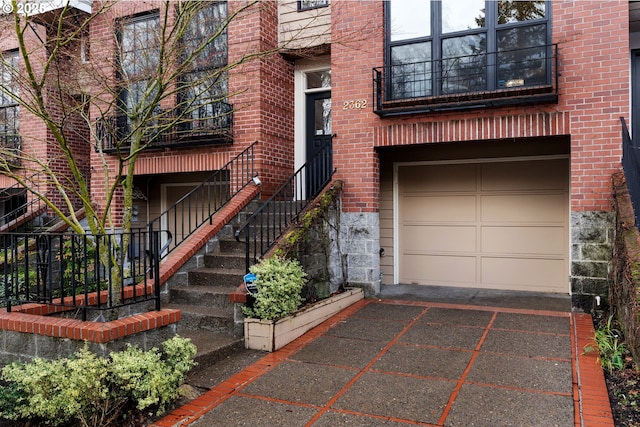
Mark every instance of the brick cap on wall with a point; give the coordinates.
(97, 332)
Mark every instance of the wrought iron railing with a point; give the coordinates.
(631, 167)
(265, 226)
(19, 203)
(85, 272)
(523, 76)
(200, 204)
(212, 125)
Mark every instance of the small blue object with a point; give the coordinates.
(249, 283)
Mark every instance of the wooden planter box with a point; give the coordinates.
(270, 335)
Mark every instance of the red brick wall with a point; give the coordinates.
(263, 88)
(594, 89)
(593, 39)
(357, 46)
(37, 141)
(261, 91)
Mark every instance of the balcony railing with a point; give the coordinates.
(213, 124)
(524, 76)
(66, 271)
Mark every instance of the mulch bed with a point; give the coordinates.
(624, 395)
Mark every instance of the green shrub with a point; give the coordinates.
(150, 378)
(279, 282)
(611, 348)
(93, 390)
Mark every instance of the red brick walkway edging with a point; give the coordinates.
(591, 398)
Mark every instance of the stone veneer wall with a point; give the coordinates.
(592, 235)
(343, 249)
(360, 244)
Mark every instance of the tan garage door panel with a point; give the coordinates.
(529, 208)
(524, 240)
(439, 238)
(545, 175)
(429, 208)
(495, 225)
(522, 273)
(437, 178)
(426, 269)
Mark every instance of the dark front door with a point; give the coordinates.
(635, 94)
(319, 150)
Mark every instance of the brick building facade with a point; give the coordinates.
(476, 141)
(456, 185)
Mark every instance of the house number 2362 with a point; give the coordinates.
(354, 104)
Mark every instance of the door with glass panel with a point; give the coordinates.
(318, 141)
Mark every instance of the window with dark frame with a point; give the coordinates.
(311, 4)
(460, 46)
(204, 89)
(9, 108)
(139, 56)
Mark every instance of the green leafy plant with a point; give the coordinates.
(92, 390)
(279, 282)
(611, 348)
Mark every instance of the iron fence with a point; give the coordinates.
(80, 271)
(20, 203)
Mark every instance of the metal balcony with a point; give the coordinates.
(520, 77)
(211, 127)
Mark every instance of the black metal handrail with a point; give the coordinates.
(267, 224)
(212, 125)
(526, 75)
(200, 204)
(68, 270)
(631, 168)
(29, 206)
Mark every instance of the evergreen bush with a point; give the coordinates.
(92, 390)
(279, 282)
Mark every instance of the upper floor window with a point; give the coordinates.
(139, 54)
(196, 59)
(9, 108)
(204, 87)
(311, 4)
(461, 46)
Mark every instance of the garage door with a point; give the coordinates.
(500, 225)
